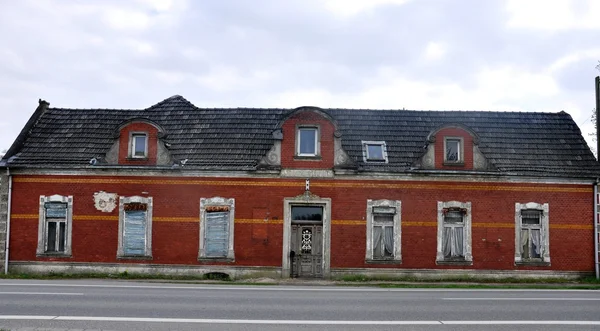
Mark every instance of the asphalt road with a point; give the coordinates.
(126, 305)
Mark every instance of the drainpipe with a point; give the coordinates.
(6, 252)
(596, 229)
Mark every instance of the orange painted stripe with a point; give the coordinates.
(436, 186)
(494, 225)
(419, 223)
(572, 226)
(348, 222)
(334, 222)
(257, 221)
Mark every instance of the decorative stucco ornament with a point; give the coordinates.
(105, 202)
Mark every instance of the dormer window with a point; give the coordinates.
(139, 145)
(307, 141)
(374, 151)
(453, 150)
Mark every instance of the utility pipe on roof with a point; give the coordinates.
(7, 249)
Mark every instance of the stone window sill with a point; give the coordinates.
(538, 263)
(453, 164)
(383, 261)
(454, 262)
(50, 255)
(307, 158)
(135, 257)
(216, 259)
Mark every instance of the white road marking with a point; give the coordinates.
(295, 288)
(40, 293)
(285, 322)
(524, 299)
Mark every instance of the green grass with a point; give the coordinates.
(466, 279)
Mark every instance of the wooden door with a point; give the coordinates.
(307, 247)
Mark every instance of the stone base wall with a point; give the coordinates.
(3, 218)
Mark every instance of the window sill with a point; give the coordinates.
(134, 257)
(216, 259)
(62, 255)
(453, 164)
(307, 158)
(383, 261)
(137, 158)
(533, 263)
(454, 262)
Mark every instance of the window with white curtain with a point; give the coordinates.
(383, 231)
(531, 233)
(454, 233)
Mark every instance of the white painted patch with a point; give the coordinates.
(105, 202)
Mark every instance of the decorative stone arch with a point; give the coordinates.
(431, 135)
(161, 131)
(313, 109)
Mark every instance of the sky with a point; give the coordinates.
(496, 55)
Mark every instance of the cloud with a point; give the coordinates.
(354, 7)
(472, 54)
(554, 15)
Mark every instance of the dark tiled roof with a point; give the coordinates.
(538, 144)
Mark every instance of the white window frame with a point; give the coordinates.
(544, 233)
(148, 249)
(461, 148)
(371, 206)
(43, 226)
(467, 247)
(132, 136)
(217, 202)
(384, 153)
(317, 140)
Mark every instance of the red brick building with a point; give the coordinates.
(303, 192)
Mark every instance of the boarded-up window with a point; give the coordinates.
(217, 233)
(56, 226)
(134, 229)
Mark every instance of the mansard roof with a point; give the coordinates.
(515, 143)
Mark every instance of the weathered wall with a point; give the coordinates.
(259, 213)
(3, 217)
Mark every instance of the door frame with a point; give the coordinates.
(307, 199)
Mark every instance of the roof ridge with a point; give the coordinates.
(172, 99)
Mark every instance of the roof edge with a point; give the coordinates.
(18, 143)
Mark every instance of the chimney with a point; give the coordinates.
(43, 104)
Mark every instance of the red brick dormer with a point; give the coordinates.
(308, 140)
(138, 143)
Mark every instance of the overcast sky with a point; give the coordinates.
(521, 55)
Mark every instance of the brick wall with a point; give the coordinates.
(3, 218)
(259, 215)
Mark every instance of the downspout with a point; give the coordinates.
(7, 251)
